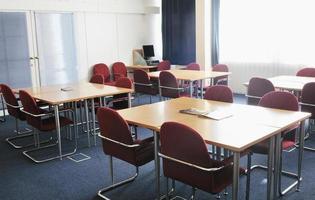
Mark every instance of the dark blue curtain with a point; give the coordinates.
(179, 31)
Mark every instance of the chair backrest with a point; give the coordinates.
(167, 79)
(193, 66)
(119, 70)
(142, 83)
(97, 78)
(164, 65)
(121, 100)
(308, 72)
(183, 143)
(220, 68)
(103, 70)
(219, 93)
(10, 98)
(308, 97)
(124, 83)
(114, 127)
(222, 80)
(280, 100)
(30, 106)
(257, 88)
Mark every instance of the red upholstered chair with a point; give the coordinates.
(219, 93)
(164, 65)
(284, 101)
(14, 110)
(119, 70)
(120, 101)
(308, 72)
(41, 120)
(258, 87)
(169, 86)
(308, 105)
(118, 142)
(143, 84)
(97, 78)
(193, 66)
(222, 80)
(103, 70)
(193, 165)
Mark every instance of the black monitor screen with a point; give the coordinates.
(148, 51)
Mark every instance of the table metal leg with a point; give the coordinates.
(236, 174)
(191, 88)
(129, 100)
(270, 176)
(87, 121)
(93, 120)
(277, 172)
(211, 81)
(56, 110)
(301, 142)
(157, 164)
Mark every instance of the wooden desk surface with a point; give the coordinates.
(78, 91)
(295, 83)
(191, 75)
(144, 67)
(246, 127)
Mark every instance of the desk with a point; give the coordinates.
(191, 76)
(237, 133)
(293, 83)
(54, 96)
(143, 67)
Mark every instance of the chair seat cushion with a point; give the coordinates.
(49, 124)
(110, 83)
(263, 147)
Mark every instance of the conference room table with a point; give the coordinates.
(247, 126)
(191, 76)
(287, 82)
(56, 95)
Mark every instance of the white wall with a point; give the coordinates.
(106, 30)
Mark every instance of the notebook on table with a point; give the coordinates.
(216, 114)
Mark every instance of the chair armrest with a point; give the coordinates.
(143, 84)
(120, 143)
(12, 106)
(192, 165)
(171, 88)
(306, 104)
(38, 115)
(144, 141)
(251, 96)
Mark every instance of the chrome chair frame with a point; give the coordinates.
(309, 133)
(20, 134)
(282, 172)
(115, 185)
(143, 84)
(190, 165)
(2, 119)
(36, 138)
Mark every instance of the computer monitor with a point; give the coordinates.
(148, 51)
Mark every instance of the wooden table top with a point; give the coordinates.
(295, 83)
(75, 92)
(247, 126)
(191, 75)
(144, 67)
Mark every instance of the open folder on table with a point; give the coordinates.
(216, 114)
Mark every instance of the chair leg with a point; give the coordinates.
(167, 193)
(193, 193)
(115, 185)
(21, 134)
